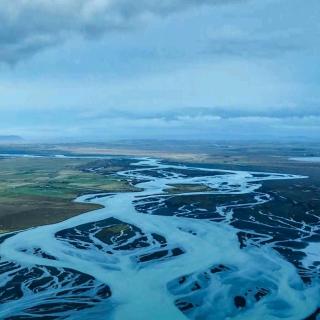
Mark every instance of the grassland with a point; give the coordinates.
(184, 188)
(37, 191)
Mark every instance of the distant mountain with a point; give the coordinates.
(11, 138)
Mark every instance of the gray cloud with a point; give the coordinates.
(207, 113)
(186, 127)
(253, 47)
(30, 26)
(257, 43)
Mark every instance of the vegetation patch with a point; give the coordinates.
(37, 191)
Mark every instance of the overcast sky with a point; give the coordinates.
(200, 69)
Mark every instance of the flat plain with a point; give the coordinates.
(38, 191)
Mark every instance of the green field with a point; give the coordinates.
(37, 191)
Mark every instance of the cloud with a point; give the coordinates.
(30, 26)
(243, 44)
(253, 47)
(205, 114)
(185, 128)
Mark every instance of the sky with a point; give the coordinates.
(100, 70)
